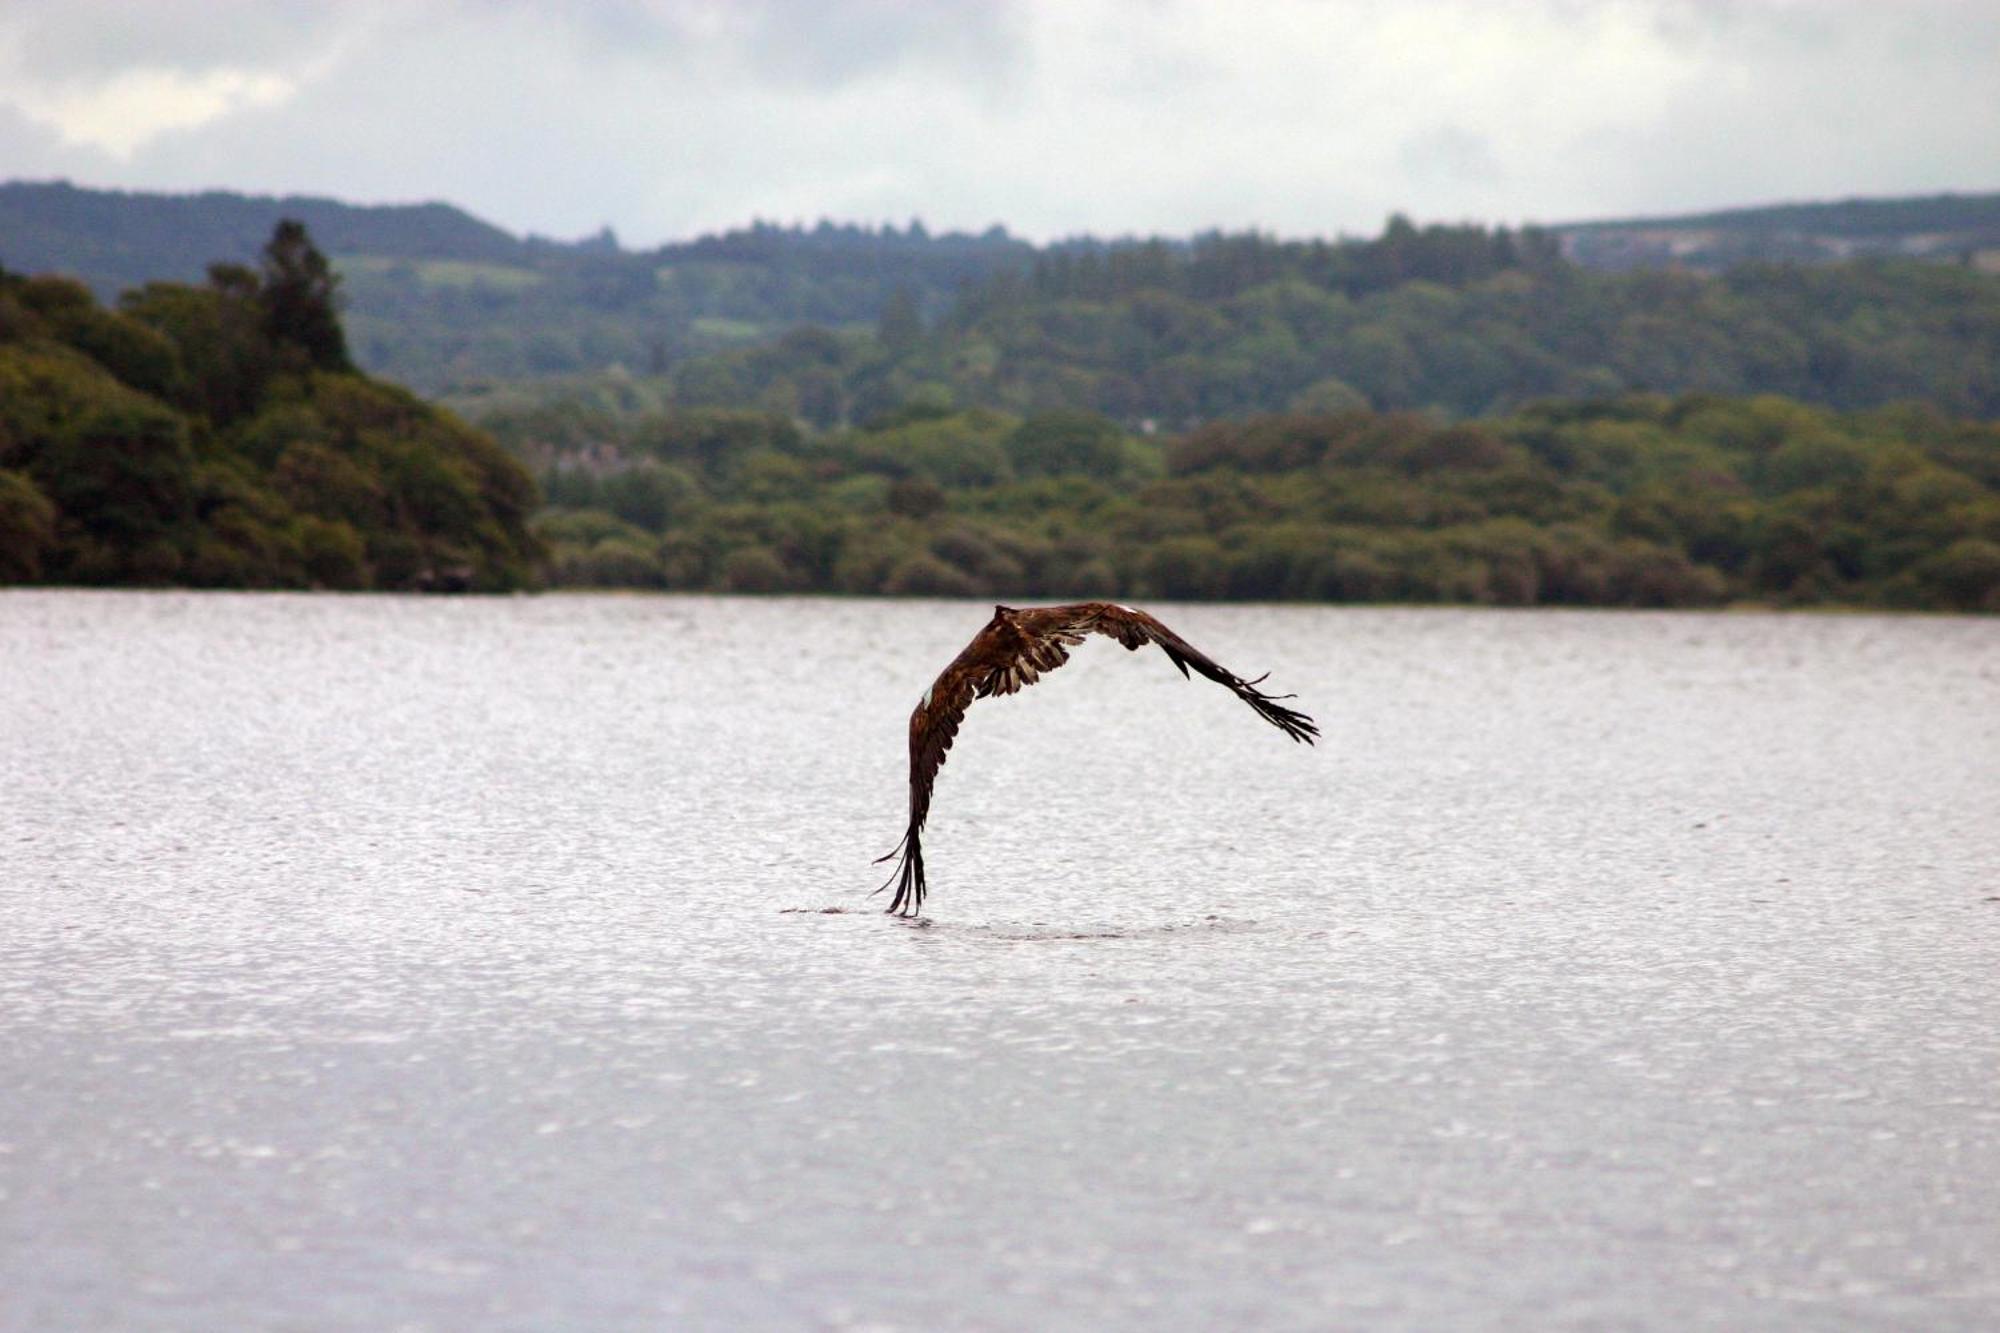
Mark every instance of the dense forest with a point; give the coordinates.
(439, 324)
(441, 301)
(1639, 501)
(1437, 414)
(436, 297)
(1455, 320)
(220, 436)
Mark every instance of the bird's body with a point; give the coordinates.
(1013, 651)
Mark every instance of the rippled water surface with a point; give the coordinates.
(509, 964)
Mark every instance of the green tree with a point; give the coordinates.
(1964, 576)
(651, 495)
(900, 327)
(27, 528)
(754, 569)
(123, 480)
(300, 299)
(226, 362)
(1067, 442)
(916, 497)
(1328, 397)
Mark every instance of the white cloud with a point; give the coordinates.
(133, 107)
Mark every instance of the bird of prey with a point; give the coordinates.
(1013, 651)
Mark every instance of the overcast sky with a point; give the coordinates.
(667, 118)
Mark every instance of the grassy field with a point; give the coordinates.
(445, 272)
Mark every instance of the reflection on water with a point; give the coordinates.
(376, 962)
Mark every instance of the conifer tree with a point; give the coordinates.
(299, 296)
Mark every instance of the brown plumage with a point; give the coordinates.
(1013, 651)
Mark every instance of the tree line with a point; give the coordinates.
(1451, 321)
(838, 323)
(1643, 500)
(220, 435)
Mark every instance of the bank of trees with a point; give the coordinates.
(836, 323)
(1639, 501)
(219, 436)
(1459, 322)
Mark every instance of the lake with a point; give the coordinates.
(510, 963)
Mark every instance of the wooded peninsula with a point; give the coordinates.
(219, 436)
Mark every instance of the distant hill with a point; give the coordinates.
(1457, 322)
(1457, 318)
(114, 239)
(436, 297)
(1946, 226)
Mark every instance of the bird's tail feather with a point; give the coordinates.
(890, 855)
(908, 876)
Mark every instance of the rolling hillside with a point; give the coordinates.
(1455, 318)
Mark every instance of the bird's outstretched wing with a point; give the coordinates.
(1136, 628)
(933, 726)
(1012, 652)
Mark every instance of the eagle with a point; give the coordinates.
(1012, 652)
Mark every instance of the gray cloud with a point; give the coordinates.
(32, 151)
(832, 45)
(664, 117)
(65, 39)
(1450, 153)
